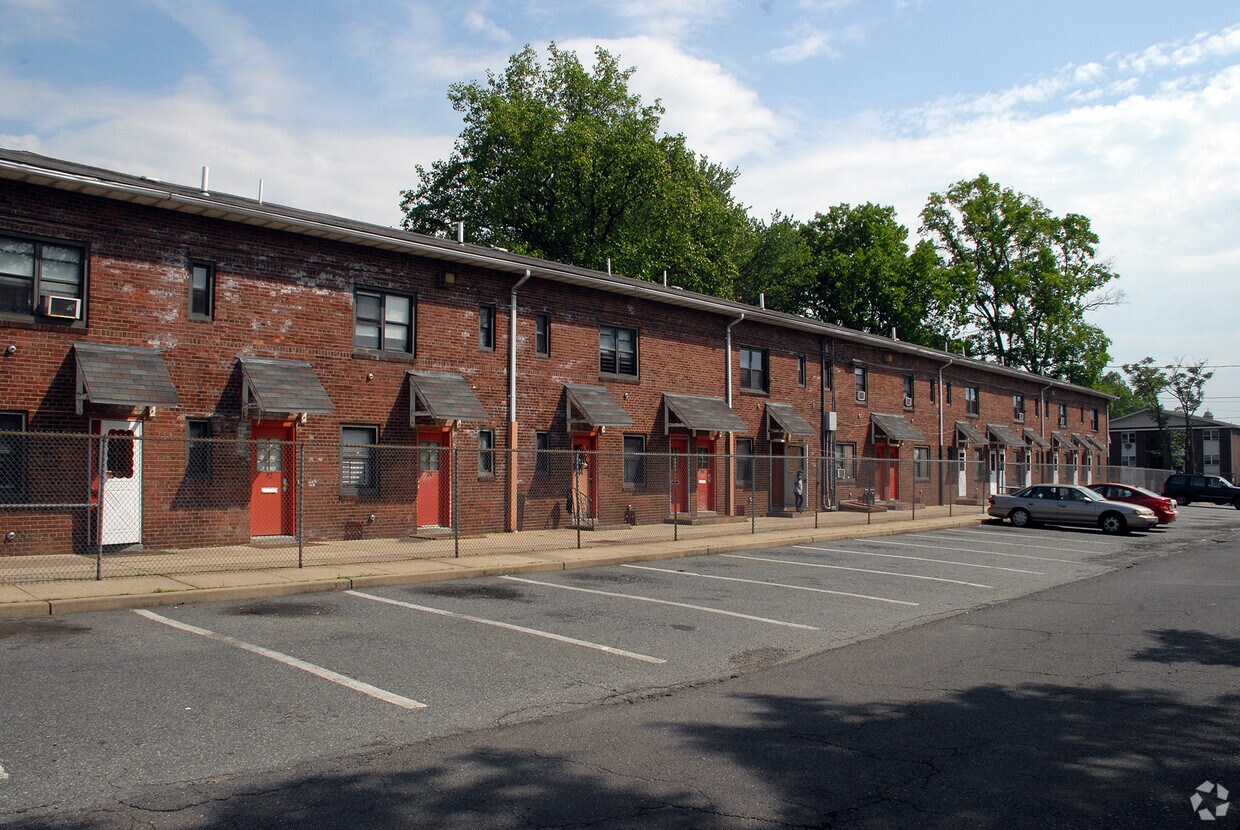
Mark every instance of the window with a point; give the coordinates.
(1128, 437)
(972, 403)
(542, 335)
(1063, 414)
(1206, 434)
(359, 460)
(1018, 407)
(801, 370)
(861, 379)
(542, 454)
(12, 458)
(921, 463)
(118, 453)
(30, 269)
(947, 392)
(617, 351)
(828, 375)
(1093, 420)
(845, 462)
(486, 452)
(753, 369)
(383, 322)
(1037, 407)
(744, 462)
(634, 461)
(934, 390)
(1082, 414)
(198, 450)
(909, 388)
(201, 291)
(486, 327)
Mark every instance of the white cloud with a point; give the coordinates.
(1182, 54)
(1154, 172)
(35, 20)
(719, 116)
(811, 43)
(480, 24)
(667, 18)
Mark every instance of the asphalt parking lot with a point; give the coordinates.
(104, 704)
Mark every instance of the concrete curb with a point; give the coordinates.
(535, 562)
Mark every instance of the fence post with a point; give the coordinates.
(914, 460)
(817, 478)
(301, 503)
(753, 516)
(101, 477)
(576, 497)
(456, 503)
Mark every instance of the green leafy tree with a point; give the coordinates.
(565, 163)
(1126, 401)
(863, 275)
(1023, 279)
(1186, 383)
(1148, 381)
(776, 266)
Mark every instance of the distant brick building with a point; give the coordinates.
(134, 308)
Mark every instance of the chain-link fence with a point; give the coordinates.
(90, 506)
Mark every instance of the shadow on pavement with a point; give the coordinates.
(988, 756)
(1176, 646)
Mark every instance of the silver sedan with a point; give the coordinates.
(1069, 504)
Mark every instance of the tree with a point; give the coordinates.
(777, 265)
(1148, 381)
(1186, 384)
(1126, 402)
(863, 275)
(1023, 279)
(565, 163)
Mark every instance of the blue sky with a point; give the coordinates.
(1123, 110)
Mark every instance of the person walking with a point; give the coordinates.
(798, 491)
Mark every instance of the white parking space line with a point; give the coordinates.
(858, 570)
(922, 559)
(992, 534)
(663, 602)
(972, 550)
(559, 638)
(770, 584)
(317, 671)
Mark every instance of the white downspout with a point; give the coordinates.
(512, 403)
(728, 343)
(512, 348)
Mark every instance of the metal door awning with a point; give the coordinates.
(1036, 440)
(593, 406)
(970, 433)
(276, 387)
(698, 413)
(896, 428)
(785, 418)
(1005, 435)
(1091, 441)
(443, 397)
(1063, 440)
(122, 376)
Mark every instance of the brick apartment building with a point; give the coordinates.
(187, 319)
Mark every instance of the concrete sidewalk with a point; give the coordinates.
(40, 599)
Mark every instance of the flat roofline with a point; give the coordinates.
(20, 165)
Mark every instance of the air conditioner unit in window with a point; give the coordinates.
(908, 402)
(64, 308)
(861, 396)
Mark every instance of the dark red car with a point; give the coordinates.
(1163, 507)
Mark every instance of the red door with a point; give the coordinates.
(434, 479)
(271, 473)
(680, 475)
(887, 476)
(705, 474)
(585, 476)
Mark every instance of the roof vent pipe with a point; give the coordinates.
(893, 333)
(260, 190)
(460, 232)
(206, 172)
(609, 266)
(665, 278)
